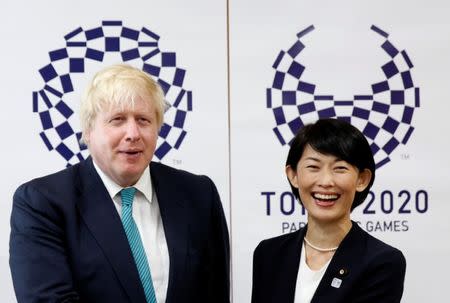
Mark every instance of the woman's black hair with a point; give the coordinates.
(338, 138)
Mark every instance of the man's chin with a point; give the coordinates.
(130, 175)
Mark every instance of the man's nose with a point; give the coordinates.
(132, 130)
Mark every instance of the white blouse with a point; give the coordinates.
(307, 279)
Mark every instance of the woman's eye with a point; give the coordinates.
(341, 168)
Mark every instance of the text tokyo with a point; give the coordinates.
(384, 202)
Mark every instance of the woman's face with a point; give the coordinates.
(327, 185)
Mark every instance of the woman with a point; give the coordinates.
(330, 168)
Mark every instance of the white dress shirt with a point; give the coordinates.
(307, 279)
(147, 216)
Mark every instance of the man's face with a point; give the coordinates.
(122, 141)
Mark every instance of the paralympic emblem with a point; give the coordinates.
(85, 48)
(384, 113)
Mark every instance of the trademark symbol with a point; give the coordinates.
(404, 156)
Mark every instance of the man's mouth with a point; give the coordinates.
(131, 152)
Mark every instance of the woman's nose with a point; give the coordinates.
(326, 178)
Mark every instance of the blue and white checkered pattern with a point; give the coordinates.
(384, 114)
(85, 47)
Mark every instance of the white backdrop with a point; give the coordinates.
(342, 56)
(30, 30)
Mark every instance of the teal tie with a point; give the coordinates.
(134, 239)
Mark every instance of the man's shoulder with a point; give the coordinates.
(63, 181)
(165, 179)
(159, 170)
(64, 175)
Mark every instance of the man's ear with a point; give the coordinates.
(292, 176)
(86, 137)
(363, 180)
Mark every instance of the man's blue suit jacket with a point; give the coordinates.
(369, 270)
(68, 245)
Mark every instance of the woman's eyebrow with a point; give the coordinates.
(313, 159)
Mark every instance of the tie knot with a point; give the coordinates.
(127, 195)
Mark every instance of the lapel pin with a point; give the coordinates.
(336, 283)
(343, 272)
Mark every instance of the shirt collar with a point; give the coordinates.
(143, 185)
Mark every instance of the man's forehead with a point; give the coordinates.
(136, 103)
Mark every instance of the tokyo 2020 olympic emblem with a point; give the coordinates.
(112, 41)
(384, 113)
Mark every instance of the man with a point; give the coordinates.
(117, 227)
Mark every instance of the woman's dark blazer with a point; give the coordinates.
(369, 270)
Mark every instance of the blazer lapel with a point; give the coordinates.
(287, 268)
(341, 266)
(175, 222)
(102, 219)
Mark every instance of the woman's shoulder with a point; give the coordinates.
(377, 248)
(282, 242)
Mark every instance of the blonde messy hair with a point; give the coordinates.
(119, 86)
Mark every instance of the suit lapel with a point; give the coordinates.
(343, 263)
(175, 222)
(287, 268)
(102, 219)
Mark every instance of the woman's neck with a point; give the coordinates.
(328, 234)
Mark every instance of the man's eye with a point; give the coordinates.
(116, 119)
(144, 120)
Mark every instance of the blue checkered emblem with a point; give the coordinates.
(384, 113)
(85, 48)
